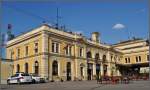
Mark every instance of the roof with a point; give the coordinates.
(134, 40)
(6, 60)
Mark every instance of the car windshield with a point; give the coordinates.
(34, 75)
(16, 75)
(25, 74)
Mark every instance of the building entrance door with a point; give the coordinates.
(105, 70)
(68, 71)
(97, 70)
(90, 71)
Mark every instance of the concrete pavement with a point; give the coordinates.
(79, 85)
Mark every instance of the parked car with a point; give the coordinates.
(19, 78)
(37, 78)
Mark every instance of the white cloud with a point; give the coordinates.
(118, 26)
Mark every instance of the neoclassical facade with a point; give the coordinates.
(135, 61)
(57, 54)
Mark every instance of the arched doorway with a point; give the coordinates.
(36, 68)
(18, 68)
(68, 71)
(81, 70)
(104, 58)
(55, 68)
(26, 67)
(97, 64)
(98, 70)
(105, 70)
(90, 66)
(90, 71)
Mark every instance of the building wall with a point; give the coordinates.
(134, 49)
(6, 69)
(45, 36)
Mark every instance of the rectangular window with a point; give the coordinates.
(18, 53)
(147, 57)
(111, 58)
(136, 59)
(55, 47)
(139, 58)
(81, 52)
(126, 61)
(68, 50)
(26, 51)
(36, 48)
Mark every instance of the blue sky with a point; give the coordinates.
(85, 17)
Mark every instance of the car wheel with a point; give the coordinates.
(33, 81)
(8, 82)
(18, 81)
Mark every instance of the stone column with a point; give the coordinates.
(85, 71)
(109, 69)
(44, 59)
(59, 68)
(76, 60)
(94, 68)
(101, 69)
(109, 65)
(50, 70)
(72, 70)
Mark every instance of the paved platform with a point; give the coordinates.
(79, 85)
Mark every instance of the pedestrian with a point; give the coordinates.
(62, 80)
(97, 77)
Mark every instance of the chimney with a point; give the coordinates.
(95, 37)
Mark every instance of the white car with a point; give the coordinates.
(19, 78)
(37, 79)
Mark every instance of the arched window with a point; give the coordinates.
(89, 55)
(97, 56)
(104, 58)
(18, 68)
(26, 67)
(55, 68)
(36, 68)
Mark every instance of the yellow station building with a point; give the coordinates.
(56, 54)
(135, 57)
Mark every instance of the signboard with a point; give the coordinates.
(144, 70)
